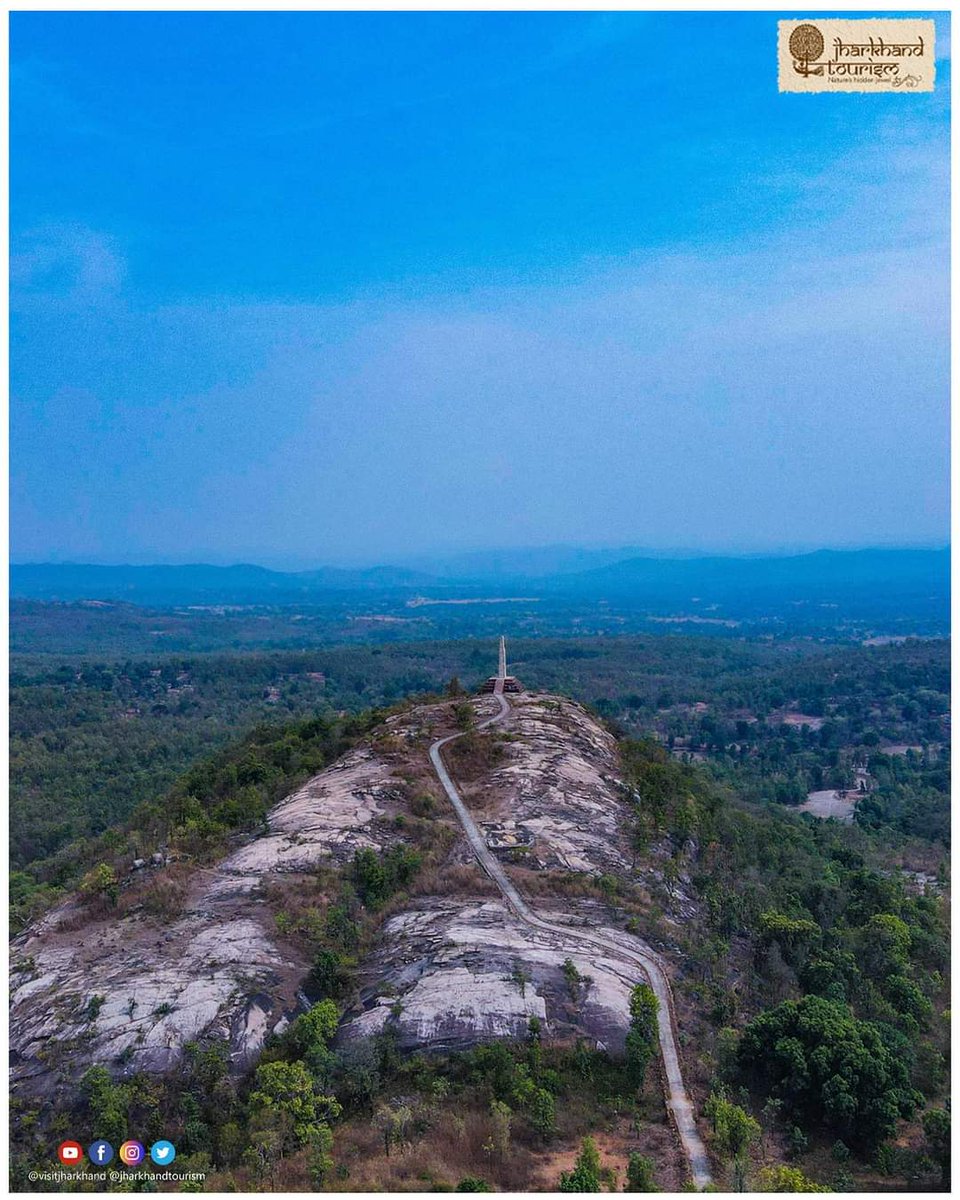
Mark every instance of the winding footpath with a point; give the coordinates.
(643, 957)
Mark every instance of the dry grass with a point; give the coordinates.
(656, 1141)
(446, 1147)
(79, 916)
(451, 1147)
(432, 834)
(450, 1144)
(452, 879)
(474, 755)
(299, 903)
(159, 892)
(455, 1138)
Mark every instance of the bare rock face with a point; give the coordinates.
(450, 974)
(332, 816)
(128, 992)
(134, 1002)
(558, 790)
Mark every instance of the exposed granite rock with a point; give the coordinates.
(560, 784)
(125, 996)
(128, 992)
(452, 973)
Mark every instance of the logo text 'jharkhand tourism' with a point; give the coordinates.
(877, 55)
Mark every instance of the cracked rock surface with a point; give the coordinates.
(450, 974)
(128, 992)
(560, 783)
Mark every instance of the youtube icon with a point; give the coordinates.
(70, 1153)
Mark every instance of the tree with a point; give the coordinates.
(393, 1123)
(520, 976)
(370, 878)
(471, 1183)
(320, 1160)
(585, 1176)
(640, 1176)
(734, 1131)
(827, 1065)
(907, 998)
(642, 1036)
(936, 1130)
(725, 1052)
(287, 1106)
(101, 884)
(524, 1087)
(268, 1131)
(885, 946)
(313, 1029)
(107, 1103)
(797, 1141)
(786, 1179)
(329, 977)
(377, 878)
(543, 1114)
(796, 936)
(230, 1143)
(463, 715)
(308, 1039)
(341, 928)
(502, 1116)
(575, 981)
(359, 1073)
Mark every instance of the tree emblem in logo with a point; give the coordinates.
(806, 46)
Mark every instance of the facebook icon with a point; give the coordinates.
(100, 1153)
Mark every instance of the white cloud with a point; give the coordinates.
(790, 390)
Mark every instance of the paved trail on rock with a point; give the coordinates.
(642, 956)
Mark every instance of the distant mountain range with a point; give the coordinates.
(200, 583)
(883, 575)
(898, 569)
(535, 562)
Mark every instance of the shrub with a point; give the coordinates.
(101, 884)
(640, 1176)
(585, 1176)
(786, 1179)
(329, 976)
(642, 1038)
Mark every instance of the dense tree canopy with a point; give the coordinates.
(825, 1064)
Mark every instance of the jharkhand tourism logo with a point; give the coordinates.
(880, 55)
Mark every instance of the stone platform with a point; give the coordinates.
(510, 684)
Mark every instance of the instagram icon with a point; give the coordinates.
(131, 1154)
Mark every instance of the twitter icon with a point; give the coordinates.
(163, 1153)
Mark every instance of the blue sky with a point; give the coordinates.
(304, 288)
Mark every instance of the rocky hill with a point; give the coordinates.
(451, 966)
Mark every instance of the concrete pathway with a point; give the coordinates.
(641, 956)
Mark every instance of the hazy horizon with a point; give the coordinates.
(425, 559)
(374, 287)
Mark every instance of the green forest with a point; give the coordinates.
(91, 740)
(819, 977)
(813, 980)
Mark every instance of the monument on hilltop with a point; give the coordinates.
(502, 682)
